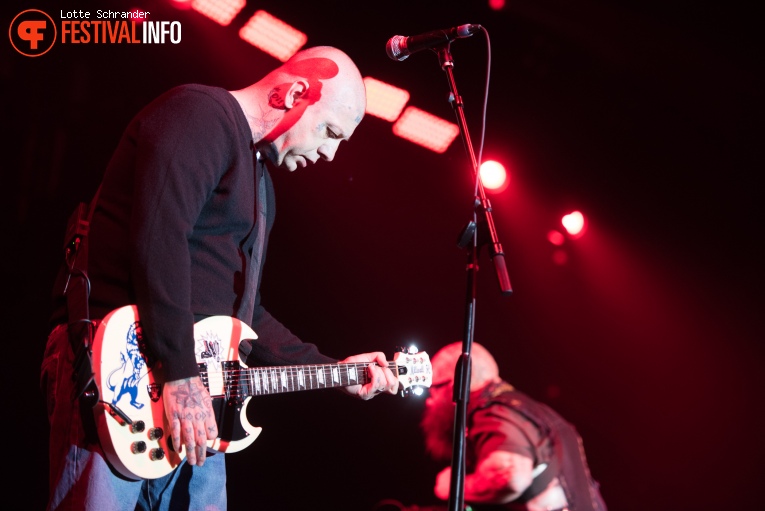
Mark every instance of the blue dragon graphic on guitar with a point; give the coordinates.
(132, 368)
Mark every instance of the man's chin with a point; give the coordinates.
(288, 163)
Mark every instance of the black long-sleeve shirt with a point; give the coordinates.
(175, 228)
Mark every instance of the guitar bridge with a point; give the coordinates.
(232, 384)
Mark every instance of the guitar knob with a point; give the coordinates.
(156, 433)
(137, 427)
(138, 447)
(157, 454)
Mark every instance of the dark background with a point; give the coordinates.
(643, 115)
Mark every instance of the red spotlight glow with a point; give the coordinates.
(560, 257)
(556, 238)
(574, 223)
(181, 4)
(497, 5)
(493, 176)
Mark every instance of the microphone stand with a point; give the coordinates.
(469, 239)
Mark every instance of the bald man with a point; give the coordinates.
(520, 454)
(180, 230)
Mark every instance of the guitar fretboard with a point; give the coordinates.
(257, 381)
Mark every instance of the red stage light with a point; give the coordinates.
(556, 238)
(574, 223)
(494, 176)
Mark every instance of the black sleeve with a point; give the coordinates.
(277, 345)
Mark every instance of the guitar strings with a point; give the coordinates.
(278, 379)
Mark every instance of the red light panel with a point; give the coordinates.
(220, 11)
(384, 100)
(272, 35)
(425, 129)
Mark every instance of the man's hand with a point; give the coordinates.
(189, 412)
(443, 484)
(381, 378)
(501, 477)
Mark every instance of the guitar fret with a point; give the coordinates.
(320, 375)
(277, 379)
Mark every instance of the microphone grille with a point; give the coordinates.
(396, 48)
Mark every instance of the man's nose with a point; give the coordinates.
(328, 149)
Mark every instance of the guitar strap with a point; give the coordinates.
(77, 293)
(253, 275)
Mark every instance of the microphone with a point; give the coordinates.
(400, 47)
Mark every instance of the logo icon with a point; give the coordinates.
(32, 33)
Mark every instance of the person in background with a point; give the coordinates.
(519, 453)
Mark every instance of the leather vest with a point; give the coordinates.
(565, 458)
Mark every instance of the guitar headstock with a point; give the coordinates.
(414, 371)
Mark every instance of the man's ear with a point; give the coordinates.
(296, 91)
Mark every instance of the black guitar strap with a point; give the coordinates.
(77, 293)
(253, 274)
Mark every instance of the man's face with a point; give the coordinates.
(316, 132)
(437, 423)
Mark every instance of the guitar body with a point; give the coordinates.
(130, 415)
(125, 375)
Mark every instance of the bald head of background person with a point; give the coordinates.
(511, 459)
(302, 110)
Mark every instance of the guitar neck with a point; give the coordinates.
(257, 381)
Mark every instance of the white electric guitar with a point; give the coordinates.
(130, 416)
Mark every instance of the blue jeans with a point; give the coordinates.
(80, 478)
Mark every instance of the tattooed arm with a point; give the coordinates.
(189, 412)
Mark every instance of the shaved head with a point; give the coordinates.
(300, 112)
(437, 422)
(483, 369)
(331, 72)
